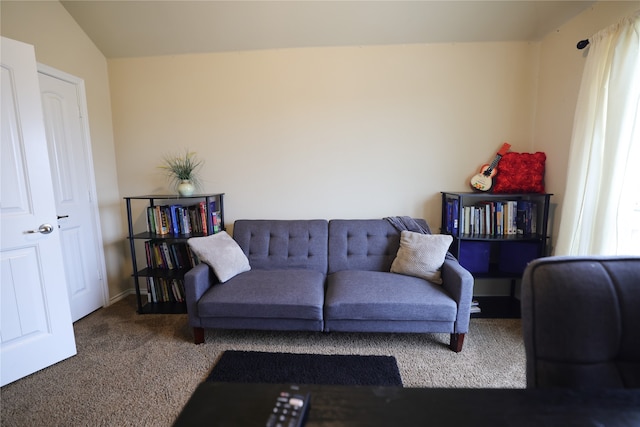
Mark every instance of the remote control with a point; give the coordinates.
(291, 409)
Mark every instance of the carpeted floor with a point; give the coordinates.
(141, 369)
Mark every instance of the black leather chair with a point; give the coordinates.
(581, 322)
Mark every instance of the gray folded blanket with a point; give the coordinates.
(406, 223)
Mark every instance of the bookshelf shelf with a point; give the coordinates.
(507, 238)
(162, 248)
(495, 236)
(167, 237)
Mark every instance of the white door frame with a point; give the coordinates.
(86, 139)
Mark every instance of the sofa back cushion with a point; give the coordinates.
(363, 244)
(581, 322)
(283, 244)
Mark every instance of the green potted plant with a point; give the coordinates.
(181, 169)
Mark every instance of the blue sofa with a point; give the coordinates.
(318, 275)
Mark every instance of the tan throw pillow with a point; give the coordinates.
(421, 255)
(221, 253)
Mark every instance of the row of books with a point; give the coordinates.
(178, 219)
(160, 289)
(492, 218)
(169, 255)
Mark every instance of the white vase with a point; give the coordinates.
(186, 188)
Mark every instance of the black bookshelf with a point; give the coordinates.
(171, 301)
(492, 249)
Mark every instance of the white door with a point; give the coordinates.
(35, 321)
(73, 188)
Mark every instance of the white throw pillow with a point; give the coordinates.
(421, 255)
(221, 253)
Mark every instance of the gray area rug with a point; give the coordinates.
(141, 369)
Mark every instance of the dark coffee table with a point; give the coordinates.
(233, 404)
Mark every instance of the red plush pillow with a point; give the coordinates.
(520, 173)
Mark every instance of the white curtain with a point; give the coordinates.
(603, 179)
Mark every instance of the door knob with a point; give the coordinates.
(44, 229)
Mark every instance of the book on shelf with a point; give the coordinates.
(182, 220)
(185, 224)
(157, 221)
(498, 218)
(202, 209)
(166, 256)
(526, 217)
(151, 291)
(160, 289)
(451, 225)
(175, 218)
(169, 255)
(162, 219)
(216, 221)
(151, 221)
(475, 307)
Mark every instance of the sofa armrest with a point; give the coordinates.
(196, 282)
(458, 282)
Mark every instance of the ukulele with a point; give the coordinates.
(483, 180)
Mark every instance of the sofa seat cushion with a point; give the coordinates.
(281, 294)
(374, 295)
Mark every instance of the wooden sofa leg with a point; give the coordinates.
(198, 335)
(456, 342)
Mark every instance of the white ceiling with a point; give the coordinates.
(161, 27)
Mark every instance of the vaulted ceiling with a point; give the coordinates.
(149, 28)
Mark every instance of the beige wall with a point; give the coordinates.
(346, 132)
(60, 43)
(561, 65)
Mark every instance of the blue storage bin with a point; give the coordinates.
(514, 256)
(474, 256)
